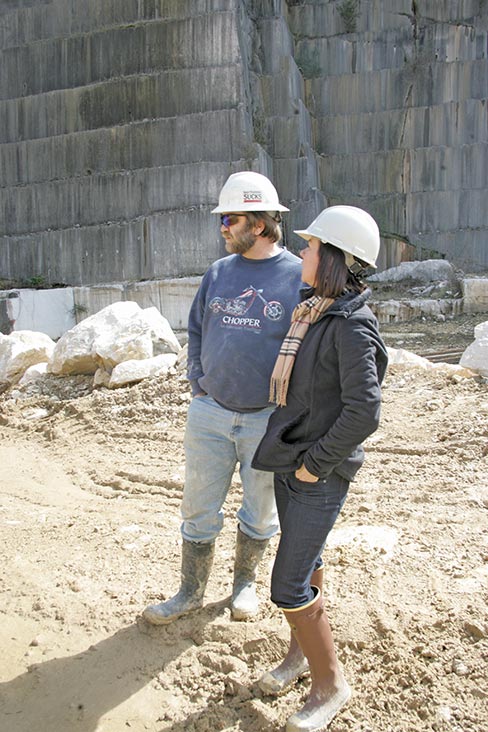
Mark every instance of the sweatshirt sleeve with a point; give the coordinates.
(195, 325)
(359, 384)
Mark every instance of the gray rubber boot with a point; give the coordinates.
(196, 563)
(249, 553)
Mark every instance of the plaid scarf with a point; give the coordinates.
(306, 313)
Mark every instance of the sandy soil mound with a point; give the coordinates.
(89, 534)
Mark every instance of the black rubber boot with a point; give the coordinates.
(249, 553)
(196, 563)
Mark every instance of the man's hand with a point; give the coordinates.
(303, 474)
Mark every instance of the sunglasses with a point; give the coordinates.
(230, 219)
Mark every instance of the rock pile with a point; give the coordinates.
(119, 345)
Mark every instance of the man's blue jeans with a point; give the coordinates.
(307, 513)
(216, 440)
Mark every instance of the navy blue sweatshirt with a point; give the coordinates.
(237, 323)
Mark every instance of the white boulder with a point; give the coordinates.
(429, 270)
(132, 371)
(164, 340)
(412, 360)
(475, 357)
(21, 349)
(407, 358)
(34, 373)
(475, 294)
(399, 311)
(120, 332)
(481, 330)
(101, 377)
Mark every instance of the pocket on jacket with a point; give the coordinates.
(277, 450)
(289, 432)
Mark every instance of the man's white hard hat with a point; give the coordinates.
(248, 191)
(348, 228)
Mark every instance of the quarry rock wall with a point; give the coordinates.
(120, 121)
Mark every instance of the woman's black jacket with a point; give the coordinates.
(334, 396)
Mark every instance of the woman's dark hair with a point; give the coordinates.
(272, 228)
(333, 276)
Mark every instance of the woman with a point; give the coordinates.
(326, 383)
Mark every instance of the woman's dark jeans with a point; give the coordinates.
(307, 513)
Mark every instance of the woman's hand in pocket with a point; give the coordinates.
(305, 475)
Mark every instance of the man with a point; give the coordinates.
(237, 322)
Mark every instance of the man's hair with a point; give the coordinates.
(272, 228)
(333, 276)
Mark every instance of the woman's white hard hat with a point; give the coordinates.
(348, 228)
(248, 191)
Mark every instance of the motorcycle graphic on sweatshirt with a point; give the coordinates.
(240, 305)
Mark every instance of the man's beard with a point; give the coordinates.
(241, 243)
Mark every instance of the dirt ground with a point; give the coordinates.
(427, 336)
(90, 487)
